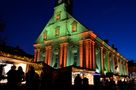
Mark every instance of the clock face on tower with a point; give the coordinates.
(59, 1)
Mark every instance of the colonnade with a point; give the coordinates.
(92, 55)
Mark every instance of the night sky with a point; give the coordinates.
(114, 20)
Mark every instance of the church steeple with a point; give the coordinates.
(68, 5)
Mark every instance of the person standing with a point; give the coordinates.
(20, 76)
(12, 78)
(85, 84)
(32, 79)
(78, 82)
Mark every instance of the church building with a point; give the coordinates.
(64, 42)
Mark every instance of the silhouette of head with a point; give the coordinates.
(20, 68)
(13, 67)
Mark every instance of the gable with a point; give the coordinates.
(67, 24)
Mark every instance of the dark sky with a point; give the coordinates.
(114, 20)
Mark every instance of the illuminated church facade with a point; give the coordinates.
(64, 42)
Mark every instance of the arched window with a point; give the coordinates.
(58, 16)
(57, 31)
(74, 26)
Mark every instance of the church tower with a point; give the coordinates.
(68, 5)
(64, 42)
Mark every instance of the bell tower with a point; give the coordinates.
(68, 5)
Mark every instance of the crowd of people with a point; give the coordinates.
(104, 84)
(45, 81)
(14, 77)
(81, 83)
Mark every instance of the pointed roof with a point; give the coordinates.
(64, 23)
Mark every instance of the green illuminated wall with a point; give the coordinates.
(64, 23)
(98, 58)
(106, 61)
(58, 30)
(65, 27)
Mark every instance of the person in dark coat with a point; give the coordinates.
(32, 79)
(12, 78)
(78, 82)
(46, 79)
(20, 75)
(85, 83)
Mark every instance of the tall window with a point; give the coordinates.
(57, 31)
(56, 61)
(115, 61)
(75, 58)
(42, 55)
(98, 58)
(45, 35)
(58, 16)
(74, 26)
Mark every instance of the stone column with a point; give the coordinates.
(86, 52)
(90, 54)
(126, 67)
(38, 54)
(61, 54)
(46, 55)
(108, 61)
(65, 54)
(119, 64)
(35, 55)
(81, 52)
(49, 55)
(123, 67)
(93, 55)
(102, 60)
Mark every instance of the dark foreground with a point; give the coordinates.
(92, 87)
